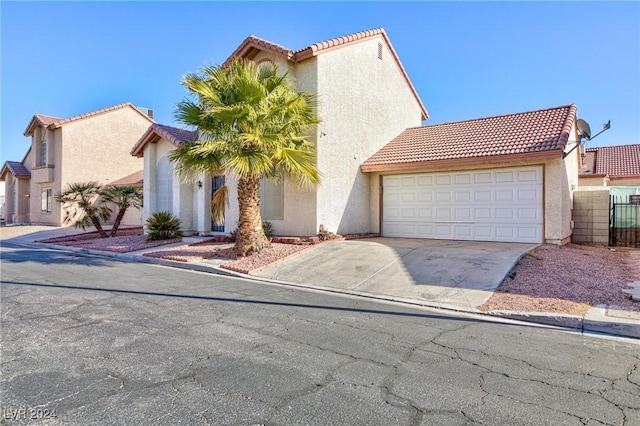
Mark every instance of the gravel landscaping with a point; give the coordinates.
(568, 279)
(126, 240)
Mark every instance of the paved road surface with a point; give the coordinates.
(86, 340)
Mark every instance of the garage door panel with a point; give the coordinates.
(482, 196)
(482, 177)
(486, 205)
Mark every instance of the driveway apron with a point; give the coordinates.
(461, 273)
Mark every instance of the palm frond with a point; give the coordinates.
(219, 203)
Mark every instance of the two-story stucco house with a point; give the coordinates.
(505, 178)
(365, 99)
(88, 147)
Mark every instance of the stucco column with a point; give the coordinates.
(203, 200)
(149, 183)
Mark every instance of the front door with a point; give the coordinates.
(216, 183)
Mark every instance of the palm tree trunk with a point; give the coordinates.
(98, 226)
(250, 236)
(116, 224)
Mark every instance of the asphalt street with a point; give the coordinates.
(87, 340)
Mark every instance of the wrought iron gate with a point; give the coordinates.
(624, 220)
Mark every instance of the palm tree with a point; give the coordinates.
(252, 123)
(124, 197)
(83, 207)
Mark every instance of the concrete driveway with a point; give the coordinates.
(436, 272)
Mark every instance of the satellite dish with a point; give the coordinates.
(584, 129)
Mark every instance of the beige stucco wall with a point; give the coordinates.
(592, 181)
(187, 198)
(365, 103)
(591, 216)
(96, 148)
(54, 159)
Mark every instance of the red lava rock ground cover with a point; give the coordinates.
(126, 240)
(211, 248)
(195, 252)
(568, 279)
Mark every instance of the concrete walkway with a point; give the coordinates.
(454, 275)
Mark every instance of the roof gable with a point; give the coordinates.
(616, 161)
(253, 45)
(156, 131)
(55, 122)
(16, 168)
(543, 132)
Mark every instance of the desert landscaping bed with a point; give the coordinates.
(126, 240)
(212, 248)
(568, 279)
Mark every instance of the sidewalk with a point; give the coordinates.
(599, 319)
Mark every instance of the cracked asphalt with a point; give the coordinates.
(90, 341)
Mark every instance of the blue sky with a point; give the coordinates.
(466, 60)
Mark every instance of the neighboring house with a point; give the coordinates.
(16, 178)
(365, 99)
(504, 178)
(88, 147)
(611, 166)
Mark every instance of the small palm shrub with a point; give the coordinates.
(163, 226)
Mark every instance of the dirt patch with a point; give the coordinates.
(568, 279)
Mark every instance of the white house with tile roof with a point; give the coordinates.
(505, 178)
(88, 147)
(365, 99)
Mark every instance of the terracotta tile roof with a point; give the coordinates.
(55, 122)
(157, 131)
(253, 45)
(536, 132)
(134, 179)
(16, 168)
(614, 161)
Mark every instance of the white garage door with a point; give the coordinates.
(483, 205)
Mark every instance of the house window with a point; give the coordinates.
(43, 153)
(46, 200)
(271, 200)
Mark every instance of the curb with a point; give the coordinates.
(595, 320)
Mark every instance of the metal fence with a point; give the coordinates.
(624, 220)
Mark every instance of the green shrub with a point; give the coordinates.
(163, 226)
(267, 228)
